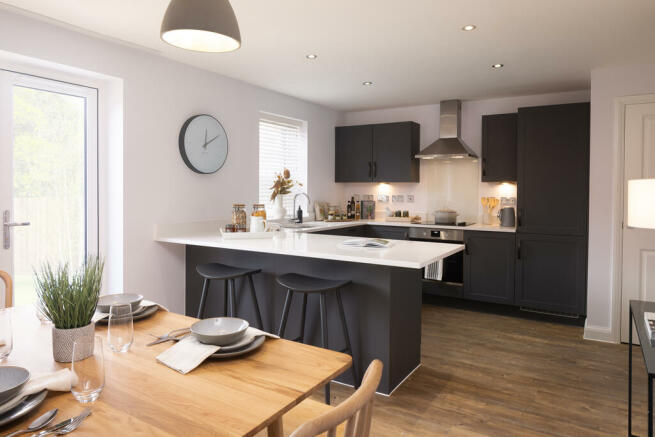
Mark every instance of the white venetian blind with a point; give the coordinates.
(282, 144)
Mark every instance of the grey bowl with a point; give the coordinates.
(106, 301)
(12, 379)
(219, 331)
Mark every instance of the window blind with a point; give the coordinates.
(282, 144)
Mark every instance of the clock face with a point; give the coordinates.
(203, 144)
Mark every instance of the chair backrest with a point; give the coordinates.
(356, 410)
(8, 288)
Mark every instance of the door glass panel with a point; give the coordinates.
(48, 183)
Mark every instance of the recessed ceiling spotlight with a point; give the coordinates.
(367, 83)
(469, 27)
(497, 66)
(311, 56)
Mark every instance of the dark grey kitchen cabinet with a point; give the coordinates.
(489, 260)
(499, 136)
(389, 232)
(377, 153)
(551, 273)
(553, 169)
(353, 154)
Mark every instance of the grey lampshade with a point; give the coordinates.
(201, 25)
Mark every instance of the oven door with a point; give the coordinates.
(452, 278)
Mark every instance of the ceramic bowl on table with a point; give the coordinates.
(219, 331)
(12, 379)
(106, 301)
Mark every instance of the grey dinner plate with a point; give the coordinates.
(12, 379)
(245, 341)
(107, 300)
(251, 347)
(138, 314)
(28, 404)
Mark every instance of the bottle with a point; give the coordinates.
(348, 210)
(358, 211)
(352, 208)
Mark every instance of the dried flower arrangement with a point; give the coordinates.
(283, 184)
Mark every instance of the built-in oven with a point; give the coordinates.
(447, 279)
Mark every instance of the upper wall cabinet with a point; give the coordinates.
(553, 169)
(499, 133)
(377, 153)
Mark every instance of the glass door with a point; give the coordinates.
(48, 176)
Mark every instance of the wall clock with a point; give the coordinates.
(203, 144)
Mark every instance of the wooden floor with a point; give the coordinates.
(485, 374)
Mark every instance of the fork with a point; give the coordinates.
(75, 423)
(174, 335)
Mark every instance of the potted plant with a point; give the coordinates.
(69, 300)
(281, 185)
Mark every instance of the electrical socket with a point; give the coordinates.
(397, 198)
(410, 198)
(383, 198)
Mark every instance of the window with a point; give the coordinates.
(282, 144)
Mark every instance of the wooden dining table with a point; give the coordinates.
(221, 397)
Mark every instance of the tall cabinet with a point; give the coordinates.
(552, 210)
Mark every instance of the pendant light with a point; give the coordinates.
(201, 25)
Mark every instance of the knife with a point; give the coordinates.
(61, 424)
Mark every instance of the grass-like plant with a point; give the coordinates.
(68, 298)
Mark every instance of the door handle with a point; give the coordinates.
(518, 250)
(484, 166)
(6, 228)
(375, 169)
(370, 169)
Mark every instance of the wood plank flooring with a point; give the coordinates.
(485, 374)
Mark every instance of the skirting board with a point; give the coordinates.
(599, 333)
(377, 392)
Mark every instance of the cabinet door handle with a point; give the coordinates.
(466, 248)
(518, 250)
(370, 171)
(519, 217)
(484, 167)
(375, 169)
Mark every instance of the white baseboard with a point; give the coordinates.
(599, 333)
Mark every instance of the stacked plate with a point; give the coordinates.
(230, 333)
(13, 404)
(134, 300)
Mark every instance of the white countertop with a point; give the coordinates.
(407, 254)
(322, 226)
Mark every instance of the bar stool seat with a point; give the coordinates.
(211, 271)
(306, 285)
(309, 284)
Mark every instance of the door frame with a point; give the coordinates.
(10, 78)
(620, 104)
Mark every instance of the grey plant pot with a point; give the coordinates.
(63, 339)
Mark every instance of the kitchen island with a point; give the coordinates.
(382, 304)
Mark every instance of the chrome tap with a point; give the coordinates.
(299, 219)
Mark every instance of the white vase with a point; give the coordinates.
(277, 210)
(63, 339)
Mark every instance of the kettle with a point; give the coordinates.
(507, 217)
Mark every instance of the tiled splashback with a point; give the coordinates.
(453, 184)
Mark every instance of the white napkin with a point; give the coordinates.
(189, 353)
(60, 380)
(144, 304)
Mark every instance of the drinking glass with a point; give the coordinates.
(88, 373)
(120, 333)
(6, 339)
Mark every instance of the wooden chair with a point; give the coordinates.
(8, 288)
(311, 418)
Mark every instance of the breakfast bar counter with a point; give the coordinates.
(382, 303)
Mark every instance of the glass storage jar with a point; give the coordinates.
(258, 210)
(239, 214)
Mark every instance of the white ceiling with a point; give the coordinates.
(413, 50)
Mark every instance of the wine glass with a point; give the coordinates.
(88, 373)
(120, 333)
(6, 339)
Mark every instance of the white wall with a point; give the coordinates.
(604, 298)
(435, 189)
(159, 95)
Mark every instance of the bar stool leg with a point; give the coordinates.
(226, 290)
(203, 298)
(233, 305)
(285, 313)
(344, 326)
(324, 334)
(302, 317)
(254, 298)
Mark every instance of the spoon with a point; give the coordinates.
(38, 423)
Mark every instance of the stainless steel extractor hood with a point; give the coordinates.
(450, 144)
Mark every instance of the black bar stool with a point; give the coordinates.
(228, 274)
(294, 282)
